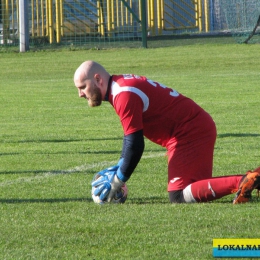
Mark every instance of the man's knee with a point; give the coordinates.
(182, 196)
(176, 196)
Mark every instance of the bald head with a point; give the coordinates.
(88, 69)
(88, 74)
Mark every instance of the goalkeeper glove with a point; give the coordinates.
(108, 183)
(111, 168)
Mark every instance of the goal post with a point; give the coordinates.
(23, 25)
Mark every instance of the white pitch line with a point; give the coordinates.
(77, 169)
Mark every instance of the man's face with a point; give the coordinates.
(91, 92)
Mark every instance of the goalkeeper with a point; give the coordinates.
(167, 118)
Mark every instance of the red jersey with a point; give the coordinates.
(162, 113)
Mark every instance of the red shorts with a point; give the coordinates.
(190, 154)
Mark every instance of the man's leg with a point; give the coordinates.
(190, 163)
(211, 189)
(206, 190)
(190, 153)
(218, 187)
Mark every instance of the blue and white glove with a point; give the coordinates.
(107, 186)
(108, 183)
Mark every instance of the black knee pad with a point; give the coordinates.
(176, 196)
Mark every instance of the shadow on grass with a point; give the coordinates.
(140, 201)
(164, 200)
(237, 135)
(65, 152)
(9, 154)
(17, 201)
(160, 200)
(63, 140)
(133, 201)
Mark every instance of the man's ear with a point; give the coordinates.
(97, 77)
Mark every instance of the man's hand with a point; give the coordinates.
(107, 183)
(116, 184)
(109, 169)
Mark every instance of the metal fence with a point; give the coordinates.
(116, 23)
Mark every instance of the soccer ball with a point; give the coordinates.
(119, 198)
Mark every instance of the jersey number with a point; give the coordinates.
(173, 92)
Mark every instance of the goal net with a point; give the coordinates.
(240, 18)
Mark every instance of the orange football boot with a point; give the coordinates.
(249, 182)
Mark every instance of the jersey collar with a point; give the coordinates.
(108, 89)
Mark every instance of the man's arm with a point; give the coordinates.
(133, 147)
(114, 177)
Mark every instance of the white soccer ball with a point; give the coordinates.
(120, 196)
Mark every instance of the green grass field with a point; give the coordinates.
(52, 143)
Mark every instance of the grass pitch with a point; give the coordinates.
(52, 143)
